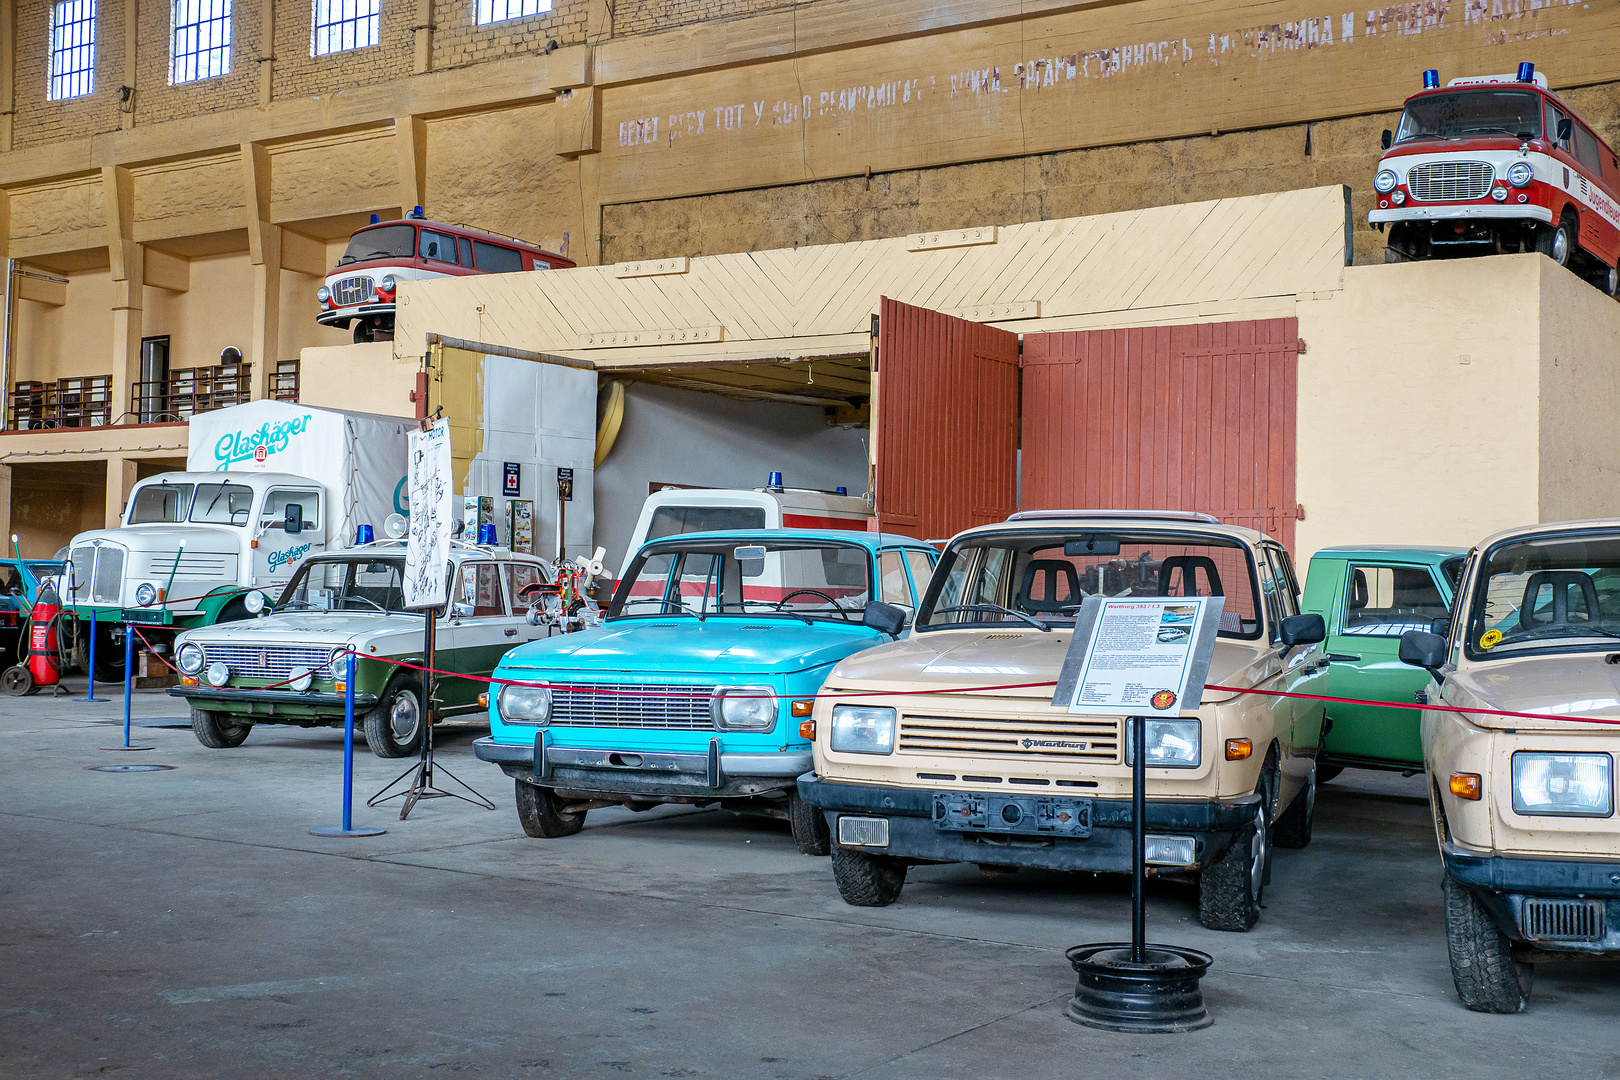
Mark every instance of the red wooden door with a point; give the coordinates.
(946, 422)
(1197, 417)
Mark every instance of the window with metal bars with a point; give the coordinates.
(490, 11)
(73, 49)
(200, 44)
(341, 25)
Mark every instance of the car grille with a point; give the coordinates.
(353, 290)
(658, 706)
(269, 662)
(1450, 181)
(1060, 738)
(1571, 920)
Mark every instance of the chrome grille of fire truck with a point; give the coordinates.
(1058, 738)
(1450, 181)
(353, 290)
(268, 662)
(612, 705)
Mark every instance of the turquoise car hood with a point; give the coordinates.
(752, 646)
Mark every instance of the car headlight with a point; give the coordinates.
(862, 729)
(189, 658)
(254, 602)
(323, 294)
(525, 705)
(1385, 181)
(337, 664)
(146, 594)
(303, 682)
(744, 708)
(1520, 174)
(219, 673)
(1171, 744)
(388, 282)
(1578, 785)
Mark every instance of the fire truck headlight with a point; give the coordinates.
(146, 594)
(323, 294)
(1385, 181)
(1499, 193)
(1399, 198)
(1520, 174)
(388, 283)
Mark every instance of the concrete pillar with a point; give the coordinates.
(5, 508)
(120, 480)
(264, 349)
(126, 340)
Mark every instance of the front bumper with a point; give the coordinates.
(271, 703)
(913, 834)
(1509, 887)
(1465, 211)
(358, 311)
(654, 775)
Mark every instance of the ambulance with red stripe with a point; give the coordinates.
(1495, 164)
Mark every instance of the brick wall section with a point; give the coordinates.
(643, 16)
(157, 101)
(299, 74)
(460, 41)
(40, 120)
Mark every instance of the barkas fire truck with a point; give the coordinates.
(1494, 164)
(361, 290)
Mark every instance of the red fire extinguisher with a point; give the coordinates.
(43, 658)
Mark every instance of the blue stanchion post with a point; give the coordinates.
(129, 688)
(90, 694)
(347, 828)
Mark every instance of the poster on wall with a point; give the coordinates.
(427, 544)
(520, 525)
(1142, 656)
(476, 510)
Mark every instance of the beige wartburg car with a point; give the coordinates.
(912, 766)
(1524, 805)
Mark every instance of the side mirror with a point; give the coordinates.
(461, 610)
(294, 522)
(1566, 128)
(1387, 139)
(1302, 630)
(888, 618)
(1423, 650)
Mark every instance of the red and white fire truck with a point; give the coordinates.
(1497, 163)
(360, 291)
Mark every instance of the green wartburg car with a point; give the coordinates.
(287, 666)
(1369, 597)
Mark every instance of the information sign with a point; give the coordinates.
(565, 484)
(1139, 656)
(511, 479)
(433, 504)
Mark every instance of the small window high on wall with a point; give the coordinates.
(73, 49)
(200, 44)
(490, 11)
(341, 25)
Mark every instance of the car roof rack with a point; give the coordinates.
(1153, 515)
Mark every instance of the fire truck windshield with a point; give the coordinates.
(1467, 114)
(385, 241)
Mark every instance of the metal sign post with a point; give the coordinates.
(129, 684)
(90, 694)
(347, 828)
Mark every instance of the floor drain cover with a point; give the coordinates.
(129, 768)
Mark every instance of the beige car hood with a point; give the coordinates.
(946, 660)
(1571, 685)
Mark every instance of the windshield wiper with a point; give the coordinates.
(1036, 623)
(300, 603)
(778, 609)
(367, 599)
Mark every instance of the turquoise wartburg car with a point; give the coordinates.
(699, 686)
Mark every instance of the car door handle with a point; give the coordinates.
(1344, 657)
(511, 631)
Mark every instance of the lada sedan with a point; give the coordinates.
(288, 665)
(913, 764)
(1524, 805)
(699, 686)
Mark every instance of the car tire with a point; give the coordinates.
(233, 611)
(867, 880)
(362, 332)
(391, 736)
(1230, 889)
(213, 730)
(1482, 965)
(809, 826)
(540, 815)
(1293, 828)
(1557, 242)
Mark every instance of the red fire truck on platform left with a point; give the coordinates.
(360, 290)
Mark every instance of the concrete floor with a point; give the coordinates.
(184, 923)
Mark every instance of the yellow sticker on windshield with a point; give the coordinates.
(1489, 638)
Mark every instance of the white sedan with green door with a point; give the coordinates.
(288, 665)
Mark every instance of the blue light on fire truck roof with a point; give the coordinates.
(376, 218)
(1527, 71)
(1431, 78)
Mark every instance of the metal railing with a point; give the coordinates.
(188, 391)
(86, 401)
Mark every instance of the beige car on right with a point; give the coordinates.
(1524, 805)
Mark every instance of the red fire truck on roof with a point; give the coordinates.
(361, 289)
(1497, 163)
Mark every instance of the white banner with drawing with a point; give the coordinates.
(427, 545)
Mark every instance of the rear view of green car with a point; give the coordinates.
(1369, 597)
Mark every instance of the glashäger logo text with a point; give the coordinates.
(271, 438)
(279, 559)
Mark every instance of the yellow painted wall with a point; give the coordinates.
(74, 339)
(363, 378)
(1580, 394)
(1399, 440)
